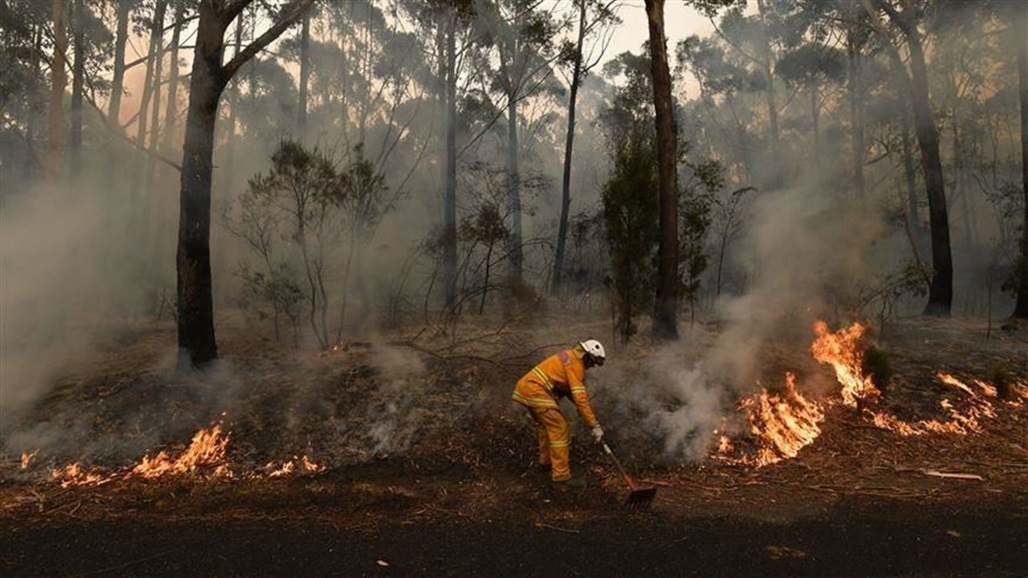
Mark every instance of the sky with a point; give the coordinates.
(680, 22)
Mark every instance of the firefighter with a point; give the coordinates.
(560, 375)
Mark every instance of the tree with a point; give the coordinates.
(522, 33)
(603, 17)
(305, 76)
(58, 81)
(940, 291)
(697, 200)
(665, 311)
(809, 66)
(1020, 30)
(118, 78)
(196, 340)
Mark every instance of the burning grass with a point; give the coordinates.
(781, 424)
(205, 458)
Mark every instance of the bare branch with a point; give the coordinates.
(290, 14)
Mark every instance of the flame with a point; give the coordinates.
(76, 475)
(26, 459)
(303, 464)
(841, 351)
(780, 425)
(205, 457)
(207, 449)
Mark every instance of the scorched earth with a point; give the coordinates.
(404, 456)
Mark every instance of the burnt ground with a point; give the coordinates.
(425, 472)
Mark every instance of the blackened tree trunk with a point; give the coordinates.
(449, 78)
(77, 85)
(940, 290)
(1021, 28)
(569, 141)
(910, 178)
(514, 264)
(665, 313)
(196, 340)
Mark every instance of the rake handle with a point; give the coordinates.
(617, 464)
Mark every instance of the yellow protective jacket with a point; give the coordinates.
(560, 375)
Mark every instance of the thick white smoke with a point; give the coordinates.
(803, 252)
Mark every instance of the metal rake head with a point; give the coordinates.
(640, 497)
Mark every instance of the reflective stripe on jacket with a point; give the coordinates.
(560, 375)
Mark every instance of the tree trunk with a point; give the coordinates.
(305, 76)
(940, 292)
(196, 340)
(171, 112)
(197, 345)
(29, 169)
(1021, 26)
(769, 99)
(118, 77)
(815, 120)
(514, 265)
(155, 110)
(856, 112)
(569, 141)
(152, 65)
(910, 178)
(229, 149)
(449, 77)
(77, 85)
(58, 81)
(665, 313)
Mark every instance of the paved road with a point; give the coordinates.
(911, 542)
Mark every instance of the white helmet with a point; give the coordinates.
(594, 348)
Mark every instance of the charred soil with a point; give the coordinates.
(422, 466)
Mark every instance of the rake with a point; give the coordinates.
(638, 495)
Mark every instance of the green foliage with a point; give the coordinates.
(696, 203)
(877, 365)
(630, 213)
(1003, 379)
(317, 209)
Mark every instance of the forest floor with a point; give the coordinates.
(420, 465)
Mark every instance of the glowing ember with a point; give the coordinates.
(26, 459)
(303, 464)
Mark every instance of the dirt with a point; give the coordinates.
(427, 471)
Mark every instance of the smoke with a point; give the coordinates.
(803, 251)
(394, 415)
(45, 257)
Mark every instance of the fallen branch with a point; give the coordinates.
(567, 530)
(956, 476)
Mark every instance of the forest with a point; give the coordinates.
(335, 233)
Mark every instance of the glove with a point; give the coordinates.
(597, 434)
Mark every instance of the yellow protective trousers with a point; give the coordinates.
(554, 441)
